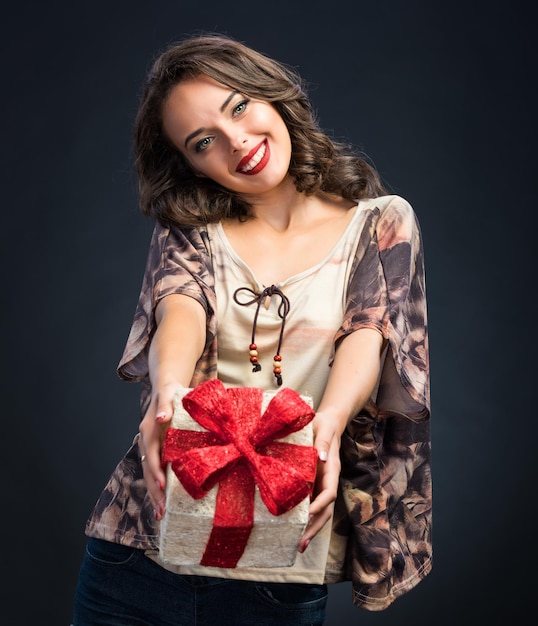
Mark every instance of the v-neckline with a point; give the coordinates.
(295, 277)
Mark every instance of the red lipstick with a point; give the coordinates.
(261, 151)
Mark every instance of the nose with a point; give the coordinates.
(237, 140)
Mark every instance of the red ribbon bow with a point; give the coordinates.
(240, 450)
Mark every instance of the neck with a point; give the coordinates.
(280, 207)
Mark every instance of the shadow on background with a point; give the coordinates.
(438, 96)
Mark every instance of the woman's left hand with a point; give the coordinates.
(327, 443)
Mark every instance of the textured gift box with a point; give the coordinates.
(192, 530)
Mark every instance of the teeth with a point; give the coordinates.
(255, 159)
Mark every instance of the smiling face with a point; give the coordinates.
(241, 143)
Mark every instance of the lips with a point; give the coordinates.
(255, 160)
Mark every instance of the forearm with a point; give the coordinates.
(175, 348)
(353, 376)
(178, 341)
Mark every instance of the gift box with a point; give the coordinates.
(240, 468)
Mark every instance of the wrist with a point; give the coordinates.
(166, 385)
(333, 418)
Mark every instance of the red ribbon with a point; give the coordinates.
(238, 451)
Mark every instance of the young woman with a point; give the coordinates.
(277, 259)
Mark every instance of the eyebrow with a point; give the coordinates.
(227, 101)
(222, 107)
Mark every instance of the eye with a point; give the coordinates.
(203, 144)
(240, 108)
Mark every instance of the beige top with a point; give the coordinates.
(384, 511)
(317, 305)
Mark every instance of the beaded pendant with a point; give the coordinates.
(283, 311)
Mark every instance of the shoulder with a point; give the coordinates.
(396, 220)
(180, 239)
(389, 205)
(389, 208)
(174, 249)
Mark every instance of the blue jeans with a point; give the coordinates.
(120, 586)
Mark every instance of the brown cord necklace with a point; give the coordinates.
(283, 310)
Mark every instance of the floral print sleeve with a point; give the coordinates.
(386, 478)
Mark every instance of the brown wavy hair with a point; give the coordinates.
(170, 191)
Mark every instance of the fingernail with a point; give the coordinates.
(322, 455)
(303, 545)
(159, 484)
(160, 417)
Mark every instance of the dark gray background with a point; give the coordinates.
(439, 95)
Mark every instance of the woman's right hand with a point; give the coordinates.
(152, 429)
(175, 348)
